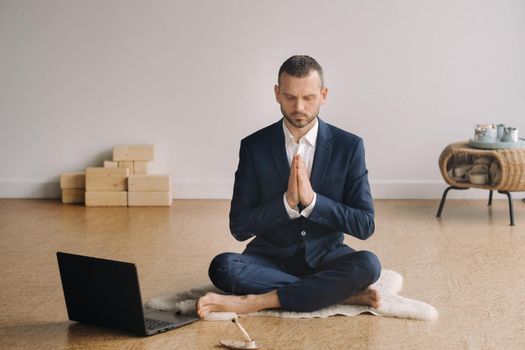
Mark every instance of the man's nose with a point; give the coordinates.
(299, 105)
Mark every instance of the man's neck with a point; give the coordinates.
(297, 133)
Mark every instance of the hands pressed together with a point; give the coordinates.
(299, 187)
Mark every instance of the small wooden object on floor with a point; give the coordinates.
(106, 179)
(248, 343)
(128, 165)
(149, 183)
(73, 195)
(147, 199)
(73, 186)
(140, 167)
(106, 198)
(133, 152)
(73, 180)
(110, 164)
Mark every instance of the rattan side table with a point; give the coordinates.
(511, 162)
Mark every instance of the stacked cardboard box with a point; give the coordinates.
(73, 187)
(149, 190)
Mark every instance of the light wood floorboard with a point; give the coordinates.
(470, 265)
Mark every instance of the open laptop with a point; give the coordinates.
(107, 293)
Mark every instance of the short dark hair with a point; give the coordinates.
(300, 66)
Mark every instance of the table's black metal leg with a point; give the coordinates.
(511, 209)
(444, 197)
(490, 198)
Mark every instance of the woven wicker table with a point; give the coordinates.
(508, 174)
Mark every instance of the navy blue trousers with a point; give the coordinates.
(300, 287)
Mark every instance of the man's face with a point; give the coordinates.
(300, 98)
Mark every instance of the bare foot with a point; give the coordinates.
(368, 296)
(240, 304)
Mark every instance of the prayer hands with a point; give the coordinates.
(299, 187)
(292, 193)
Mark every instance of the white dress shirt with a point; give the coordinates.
(306, 148)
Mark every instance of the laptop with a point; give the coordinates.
(107, 293)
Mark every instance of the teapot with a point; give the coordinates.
(486, 133)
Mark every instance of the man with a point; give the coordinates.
(299, 185)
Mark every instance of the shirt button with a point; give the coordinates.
(303, 233)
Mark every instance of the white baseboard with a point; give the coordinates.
(42, 189)
(223, 190)
(422, 190)
(29, 189)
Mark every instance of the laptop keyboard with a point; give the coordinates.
(155, 324)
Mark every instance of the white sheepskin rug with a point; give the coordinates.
(388, 285)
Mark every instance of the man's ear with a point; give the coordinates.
(277, 91)
(324, 93)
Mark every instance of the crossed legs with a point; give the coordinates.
(258, 283)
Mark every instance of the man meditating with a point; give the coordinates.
(299, 185)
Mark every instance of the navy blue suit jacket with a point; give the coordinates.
(339, 177)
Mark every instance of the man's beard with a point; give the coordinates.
(299, 123)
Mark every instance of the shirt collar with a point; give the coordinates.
(310, 137)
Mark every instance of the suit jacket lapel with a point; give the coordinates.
(323, 151)
(278, 150)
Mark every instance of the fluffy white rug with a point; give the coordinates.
(388, 285)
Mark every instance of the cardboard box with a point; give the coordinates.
(127, 165)
(73, 195)
(133, 152)
(106, 179)
(73, 180)
(110, 164)
(106, 198)
(149, 199)
(140, 167)
(149, 183)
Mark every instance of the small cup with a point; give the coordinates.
(480, 168)
(510, 135)
(460, 171)
(501, 130)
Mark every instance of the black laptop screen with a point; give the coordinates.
(101, 292)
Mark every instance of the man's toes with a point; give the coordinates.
(202, 312)
(200, 302)
(375, 300)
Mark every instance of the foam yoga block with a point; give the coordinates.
(133, 152)
(106, 198)
(106, 179)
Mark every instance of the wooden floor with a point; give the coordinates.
(470, 265)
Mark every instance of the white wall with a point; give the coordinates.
(194, 77)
